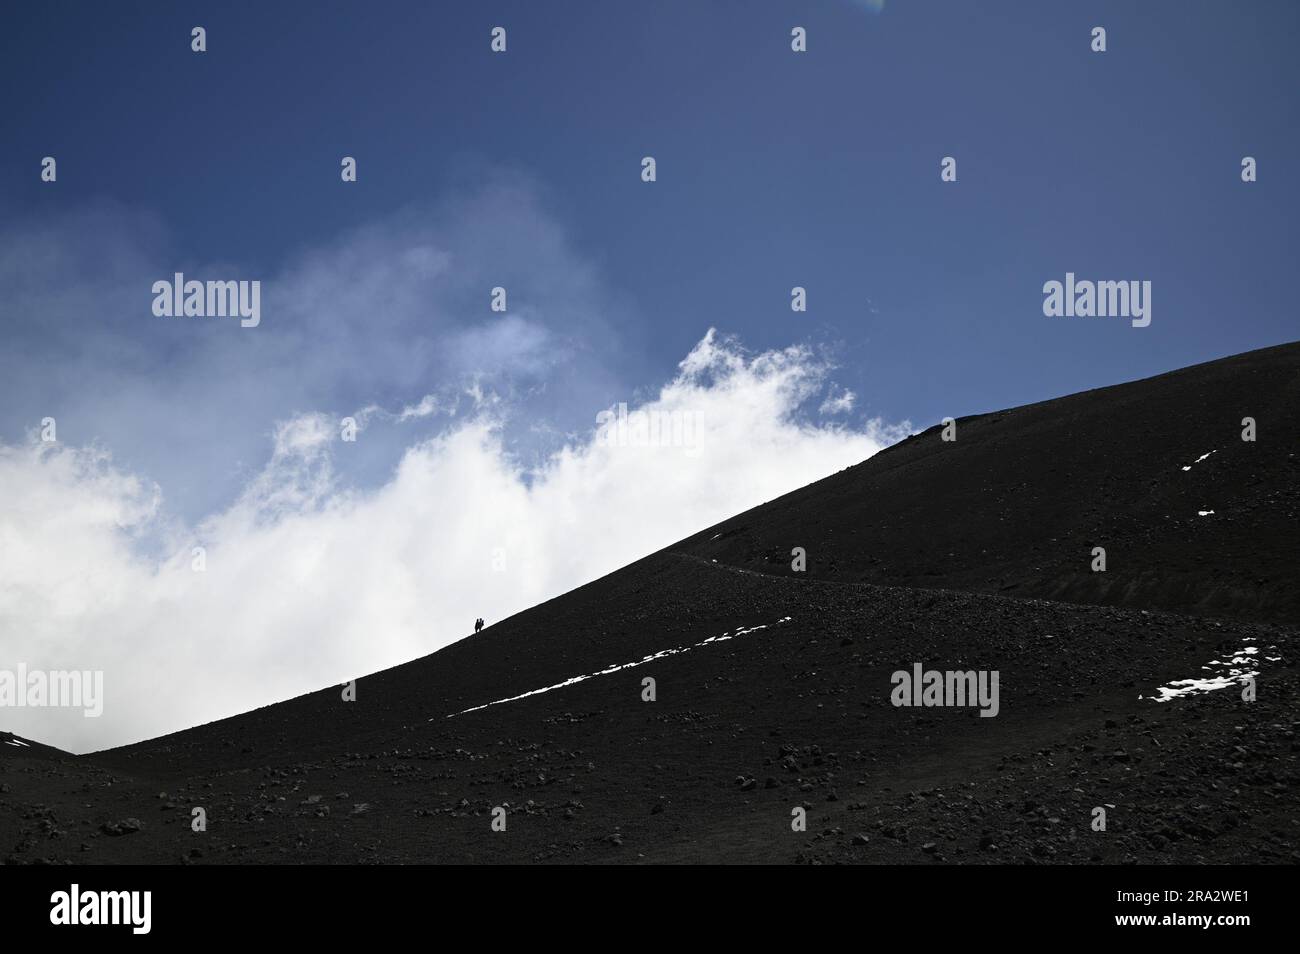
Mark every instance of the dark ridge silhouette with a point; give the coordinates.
(15, 745)
(1016, 504)
(971, 555)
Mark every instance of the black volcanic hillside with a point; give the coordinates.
(773, 688)
(1016, 504)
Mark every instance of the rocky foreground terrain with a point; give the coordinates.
(966, 555)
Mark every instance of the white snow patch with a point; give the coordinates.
(1243, 665)
(615, 667)
(1199, 459)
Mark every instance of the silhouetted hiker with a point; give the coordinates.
(478, 624)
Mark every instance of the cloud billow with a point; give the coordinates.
(482, 480)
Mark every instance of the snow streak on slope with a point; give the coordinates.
(619, 666)
(1243, 665)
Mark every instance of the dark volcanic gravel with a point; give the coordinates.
(797, 715)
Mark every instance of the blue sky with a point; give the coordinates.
(775, 169)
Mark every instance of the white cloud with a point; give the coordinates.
(310, 581)
(374, 316)
(838, 402)
(426, 406)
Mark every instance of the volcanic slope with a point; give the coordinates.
(772, 688)
(1192, 518)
